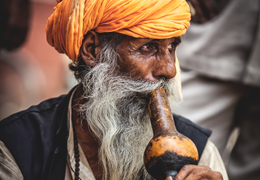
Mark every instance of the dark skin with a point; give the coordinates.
(147, 59)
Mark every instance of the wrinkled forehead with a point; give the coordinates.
(131, 41)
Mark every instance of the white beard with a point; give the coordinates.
(117, 114)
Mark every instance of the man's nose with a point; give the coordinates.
(164, 66)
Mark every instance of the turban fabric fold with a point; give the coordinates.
(156, 19)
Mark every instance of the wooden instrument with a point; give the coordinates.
(168, 151)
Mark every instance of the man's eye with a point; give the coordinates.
(172, 46)
(148, 46)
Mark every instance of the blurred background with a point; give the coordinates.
(219, 58)
(30, 69)
(220, 61)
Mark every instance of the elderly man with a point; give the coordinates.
(122, 50)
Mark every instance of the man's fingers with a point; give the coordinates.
(192, 172)
(204, 173)
(184, 172)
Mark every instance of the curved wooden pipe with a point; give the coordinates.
(168, 151)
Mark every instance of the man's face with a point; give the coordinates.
(147, 59)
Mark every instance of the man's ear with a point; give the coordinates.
(89, 50)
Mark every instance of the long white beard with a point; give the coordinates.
(117, 114)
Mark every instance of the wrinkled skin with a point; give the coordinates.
(147, 59)
(193, 172)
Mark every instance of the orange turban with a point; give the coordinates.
(72, 19)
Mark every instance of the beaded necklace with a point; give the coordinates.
(76, 153)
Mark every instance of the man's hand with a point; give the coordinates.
(193, 172)
(204, 10)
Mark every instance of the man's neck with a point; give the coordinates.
(86, 140)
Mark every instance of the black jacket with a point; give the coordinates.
(37, 138)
